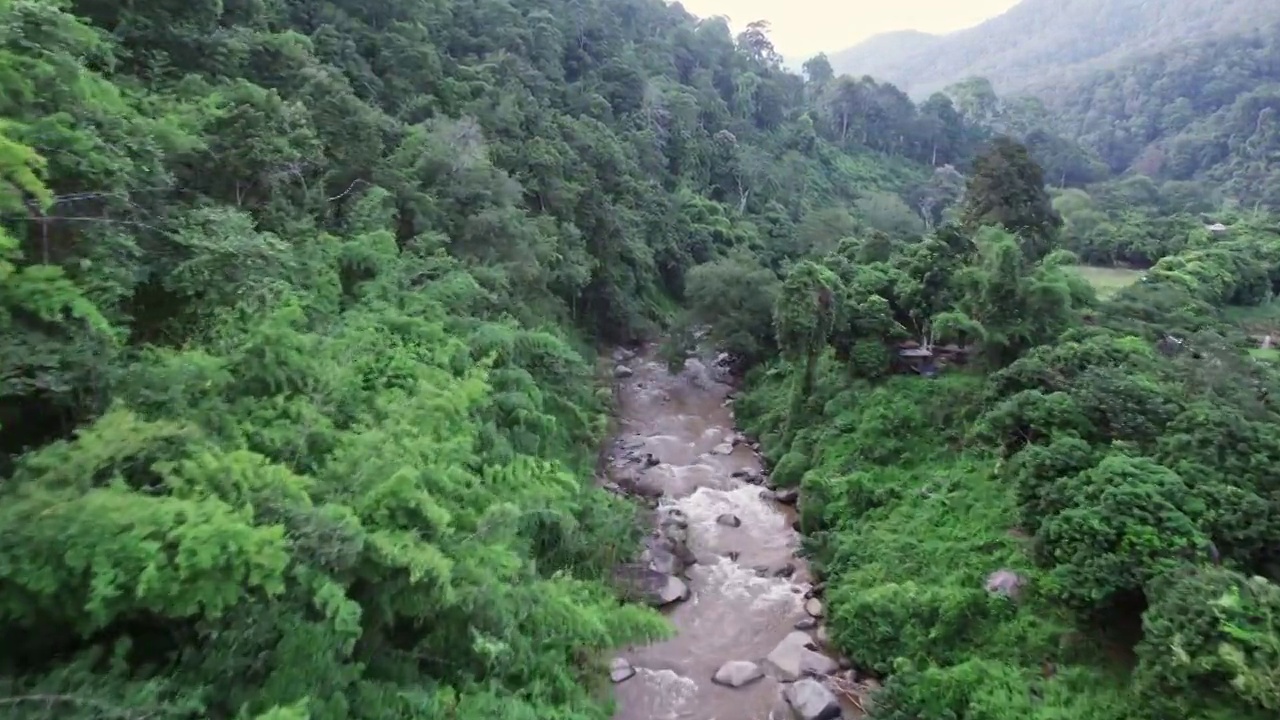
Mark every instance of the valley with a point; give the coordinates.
(575, 360)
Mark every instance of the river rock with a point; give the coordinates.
(785, 571)
(664, 561)
(813, 606)
(675, 540)
(737, 673)
(729, 520)
(669, 516)
(620, 670)
(811, 700)
(787, 496)
(622, 371)
(676, 534)
(722, 449)
(823, 636)
(806, 623)
(674, 590)
(697, 374)
(637, 483)
(796, 656)
(1005, 582)
(643, 584)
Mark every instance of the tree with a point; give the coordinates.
(803, 318)
(1006, 188)
(818, 70)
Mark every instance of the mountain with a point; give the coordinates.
(1046, 40)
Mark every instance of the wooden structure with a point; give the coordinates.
(928, 359)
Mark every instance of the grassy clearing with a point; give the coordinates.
(906, 522)
(1261, 319)
(1267, 354)
(1108, 280)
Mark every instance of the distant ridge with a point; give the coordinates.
(1042, 42)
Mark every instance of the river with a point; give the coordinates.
(747, 596)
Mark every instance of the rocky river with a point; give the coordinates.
(721, 561)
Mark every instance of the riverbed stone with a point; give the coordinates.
(729, 520)
(1005, 582)
(813, 606)
(737, 673)
(620, 670)
(673, 590)
(722, 449)
(806, 623)
(664, 561)
(639, 484)
(787, 496)
(811, 700)
(785, 570)
(796, 657)
(641, 583)
(674, 540)
(670, 516)
(622, 371)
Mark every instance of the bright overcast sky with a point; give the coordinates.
(802, 28)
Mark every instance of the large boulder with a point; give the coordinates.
(729, 520)
(661, 560)
(636, 482)
(797, 657)
(737, 673)
(673, 590)
(813, 606)
(811, 700)
(620, 670)
(1005, 582)
(643, 584)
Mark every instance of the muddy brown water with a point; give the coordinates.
(737, 609)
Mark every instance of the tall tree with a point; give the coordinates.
(1006, 189)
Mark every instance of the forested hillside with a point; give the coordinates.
(1043, 41)
(299, 403)
(1182, 91)
(1206, 113)
(1028, 500)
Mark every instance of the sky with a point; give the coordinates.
(803, 28)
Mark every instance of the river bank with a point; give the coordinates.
(722, 560)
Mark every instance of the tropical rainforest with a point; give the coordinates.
(301, 303)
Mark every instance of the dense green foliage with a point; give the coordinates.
(295, 418)
(298, 402)
(1207, 114)
(1115, 456)
(1184, 92)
